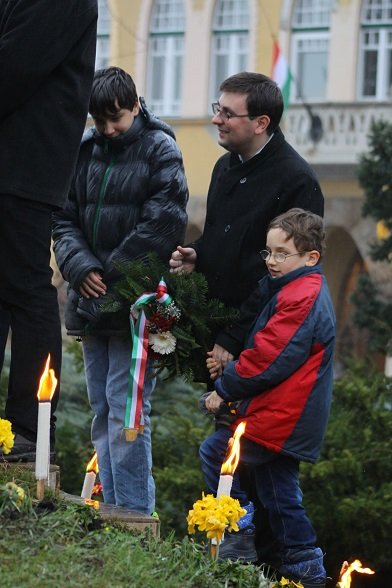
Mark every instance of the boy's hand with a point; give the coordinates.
(213, 402)
(93, 285)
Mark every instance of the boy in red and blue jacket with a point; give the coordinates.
(281, 385)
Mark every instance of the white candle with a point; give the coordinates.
(88, 484)
(46, 388)
(224, 486)
(43, 441)
(388, 365)
(224, 489)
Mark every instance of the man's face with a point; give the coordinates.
(236, 134)
(118, 123)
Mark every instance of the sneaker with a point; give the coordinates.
(239, 546)
(246, 521)
(307, 567)
(23, 451)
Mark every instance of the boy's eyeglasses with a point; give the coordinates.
(226, 114)
(279, 257)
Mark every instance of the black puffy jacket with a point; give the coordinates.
(127, 198)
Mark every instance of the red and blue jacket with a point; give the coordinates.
(283, 378)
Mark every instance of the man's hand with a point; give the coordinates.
(93, 286)
(213, 366)
(183, 259)
(221, 356)
(213, 402)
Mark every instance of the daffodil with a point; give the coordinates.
(12, 497)
(215, 515)
(6, 436)
(289, 583)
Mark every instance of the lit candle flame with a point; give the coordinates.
(46, 388)
(92, 465)
(47, 383)
(345, 572)
(231, 462)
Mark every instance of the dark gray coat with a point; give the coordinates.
(47, 56)
(127, 198)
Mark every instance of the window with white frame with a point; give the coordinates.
(165, 60)
(375, 53)
(310, 48)
(103, 35)
(230, 36)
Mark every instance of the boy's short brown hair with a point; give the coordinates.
(113, 89)
(305, 228)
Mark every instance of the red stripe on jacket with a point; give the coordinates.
(267, 345)
(272, 416)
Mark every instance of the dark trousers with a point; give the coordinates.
(277, 487)
(29, 301)
(4, 330)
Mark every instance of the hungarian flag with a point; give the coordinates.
(281, 73)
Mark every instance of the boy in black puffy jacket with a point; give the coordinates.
(127, 199)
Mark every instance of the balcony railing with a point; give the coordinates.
(345, 130)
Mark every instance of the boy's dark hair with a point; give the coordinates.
(113, 89)
(263, 95)
(305, 228)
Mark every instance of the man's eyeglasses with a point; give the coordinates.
(279, 257)
(226, 114)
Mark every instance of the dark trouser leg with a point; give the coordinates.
(278, 489)
(267, 546)
(27, 293)
(4, 329)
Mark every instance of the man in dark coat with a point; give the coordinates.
(47, 56)
(259, 178)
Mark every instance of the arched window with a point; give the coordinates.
(166, 51)
(103, 35)
(310, 47)
(375, 61)
(230, 32)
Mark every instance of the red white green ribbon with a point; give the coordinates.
(134, 421)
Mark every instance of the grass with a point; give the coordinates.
(56, 544)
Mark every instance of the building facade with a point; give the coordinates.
(339, 53)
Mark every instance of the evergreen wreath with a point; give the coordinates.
(191, 319)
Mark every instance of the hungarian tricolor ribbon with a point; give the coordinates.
(134, 421)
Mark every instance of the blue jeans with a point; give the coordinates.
(124, 466)
(277, 484)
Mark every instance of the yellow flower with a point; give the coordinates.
(289, 583)
(6, 436)
(16, 493)
(215, 515)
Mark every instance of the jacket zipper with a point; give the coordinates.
(100, 201)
